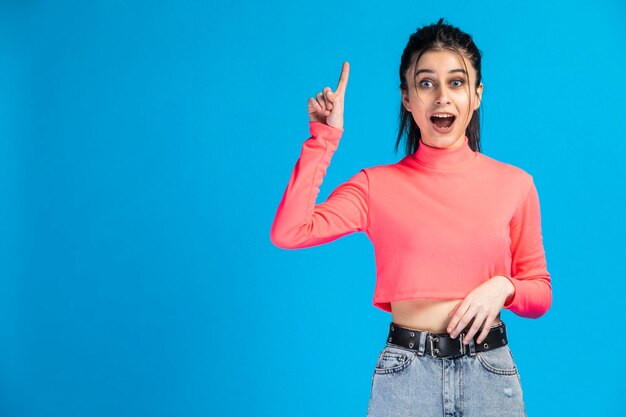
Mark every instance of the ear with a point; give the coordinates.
(405, 100)
(479, 96)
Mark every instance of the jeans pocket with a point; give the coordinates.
(393, 359)
(498, 361)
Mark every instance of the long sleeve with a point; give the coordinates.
(533, 292)
(299, 222)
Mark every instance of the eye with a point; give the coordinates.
(421, 83)
(460, 83)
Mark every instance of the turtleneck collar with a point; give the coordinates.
(443, 158)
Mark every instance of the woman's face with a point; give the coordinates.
(438, 84)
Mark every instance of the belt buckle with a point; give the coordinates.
(461, 337)
(432, 347)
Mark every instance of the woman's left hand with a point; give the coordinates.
(483, 304)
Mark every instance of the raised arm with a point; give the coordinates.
(299, 222)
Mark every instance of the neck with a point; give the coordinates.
(444, 158)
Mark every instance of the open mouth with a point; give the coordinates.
(443, 123)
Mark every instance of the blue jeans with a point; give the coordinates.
(406, 383)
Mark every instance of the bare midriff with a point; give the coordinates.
(427, 314)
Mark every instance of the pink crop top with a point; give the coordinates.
(442, 221)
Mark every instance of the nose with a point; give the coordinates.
(442, 97)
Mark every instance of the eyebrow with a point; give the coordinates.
(432, 72)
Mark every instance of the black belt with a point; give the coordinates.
(441, 345)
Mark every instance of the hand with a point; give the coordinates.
(483, 304)
(328, 108)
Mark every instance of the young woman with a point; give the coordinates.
(457, 236)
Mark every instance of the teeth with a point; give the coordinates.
(443, 115)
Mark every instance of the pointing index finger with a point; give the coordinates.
(343, 79)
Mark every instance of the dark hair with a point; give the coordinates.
(437, 36)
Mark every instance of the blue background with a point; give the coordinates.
(145, 147)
